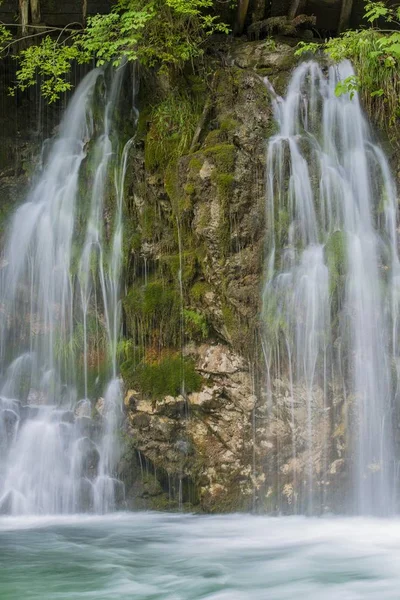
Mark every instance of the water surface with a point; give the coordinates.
(152, 556)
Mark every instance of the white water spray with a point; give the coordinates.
(60, 318)
(331, 297)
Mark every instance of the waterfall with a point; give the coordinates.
(331, 298)
(60, 317)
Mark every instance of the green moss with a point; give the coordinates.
(336, 255)
(199, 290)
(282, 227)
(225, 183)
(196, 325)
(229, 318)
(163, 503)
(6, 209)
(229, 124)
(181, 201)
(143, 122)
(136, 241)
(153, 312)
(132, 241)
(149, 221)
(274, 321)
(195, 164)
(197, 84)
(154, 299)
(214, 138)
(189, 189)
(159, 150)
(223, 155)
(173, 262)
(172, 125)
(166, 378)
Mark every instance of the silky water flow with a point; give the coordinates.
(331, 297)
(60, 318)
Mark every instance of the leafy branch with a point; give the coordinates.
(159, 33)
(375, 53)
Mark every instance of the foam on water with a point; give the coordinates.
(152, 556)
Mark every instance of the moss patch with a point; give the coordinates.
(166, 377)
(223, 156)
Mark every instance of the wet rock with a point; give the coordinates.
(86, 426)
(267, 54)
(28, 412)
(10, 420)
(83, 408)
(100, 406)
(141, 421)
(207, 437)
(85, 495)
(171, 407)
(220, 360)
(88, 457)
(131, 399)
(36, 397)
(68, 417)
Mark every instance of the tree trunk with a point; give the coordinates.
(345, 14)
(35, 12)
(293, 8)
(84, 10)
(243, 7)
(24, 15)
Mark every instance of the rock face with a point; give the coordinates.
(202, 432)
(196, 254)
(202, 440)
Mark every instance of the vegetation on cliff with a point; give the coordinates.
(375, 53)
(166, 34)
(155, 32)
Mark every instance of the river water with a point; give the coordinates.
(153, 556)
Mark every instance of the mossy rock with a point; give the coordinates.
(168, 377)
(223, 156)
(336, 257)
(196, 325)
(180, 195)
(153, 311)
(225, 185)
(157, 298)
(214, 138)
(183, 266)
(199, 290)
(195, 163)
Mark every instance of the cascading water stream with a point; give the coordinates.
(331, 297)
(60, 318)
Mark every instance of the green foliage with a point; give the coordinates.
(158, 33)
(5, 37)
(349, 86)
(184, 266)
(199, 290)
(51, 62)
(153, 300)
(154, 313)
(173, 123)
(375, 53)
(196, 326)
(165, 378)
